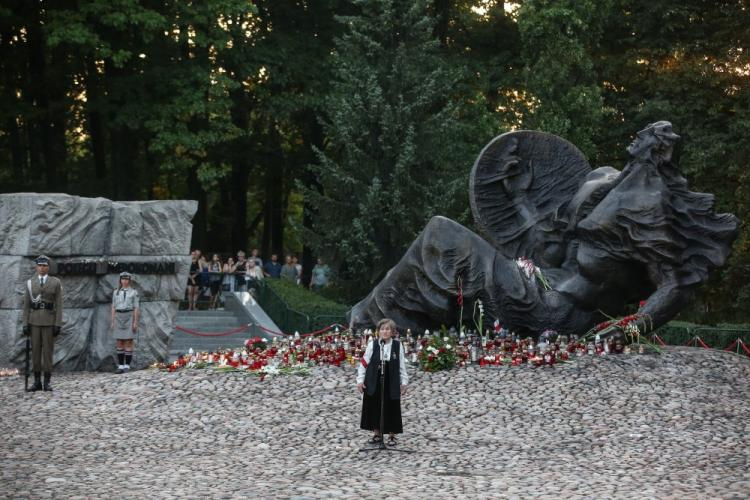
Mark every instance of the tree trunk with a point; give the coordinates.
(196, 192)
(9, 72)
(240, 171)
(95, 124)
(315, 137)
(442, 17)
(38, 91)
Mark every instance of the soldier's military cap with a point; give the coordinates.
(42, 259)
(125, 274)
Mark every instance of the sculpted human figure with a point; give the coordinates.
(620, 238)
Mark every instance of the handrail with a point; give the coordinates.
(265, 289)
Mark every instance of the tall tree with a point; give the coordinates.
(562, 90)
(397, 148)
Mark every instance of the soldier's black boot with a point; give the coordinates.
(37, 382)
(47, 387)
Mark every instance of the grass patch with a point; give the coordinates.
(305, 301)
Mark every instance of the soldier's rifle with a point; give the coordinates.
(26, 362)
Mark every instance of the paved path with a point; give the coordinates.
(675, 426)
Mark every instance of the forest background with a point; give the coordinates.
(338, 128)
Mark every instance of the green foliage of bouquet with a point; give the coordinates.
(438, 353)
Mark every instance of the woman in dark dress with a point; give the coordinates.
(192, 284)
(396, 381)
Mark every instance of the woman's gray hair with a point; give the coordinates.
(386, 321)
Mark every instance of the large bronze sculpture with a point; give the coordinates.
(600, 239)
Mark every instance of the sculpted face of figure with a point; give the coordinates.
(656, 138)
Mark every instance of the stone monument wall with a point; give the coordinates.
(106, 235)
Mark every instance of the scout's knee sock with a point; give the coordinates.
(128, 358)
(120, 358)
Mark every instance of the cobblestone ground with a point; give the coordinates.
(669, 426)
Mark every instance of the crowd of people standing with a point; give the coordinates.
(245, 273)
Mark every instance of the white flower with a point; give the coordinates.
(447, 346)
(446, 339)
(270, 370)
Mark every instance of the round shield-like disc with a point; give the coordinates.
(519, 180)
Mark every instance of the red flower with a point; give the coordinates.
(641, 304)
(602, 326)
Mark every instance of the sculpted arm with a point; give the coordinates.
(666, 301)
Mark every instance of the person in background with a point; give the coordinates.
(298, 267)
(202, 274)
(192, 284)
(255, 255)
(321, 275)
(124, 320)
(228, 270)
(253, 275)
(214, 279)
(288, 270)
(272, 269)
(239, 272)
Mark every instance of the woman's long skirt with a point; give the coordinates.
(371, 409)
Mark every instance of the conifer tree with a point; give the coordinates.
(399, 148)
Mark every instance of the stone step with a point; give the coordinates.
(203, 314)
(210, 326)
(182, 344)
(208, 321)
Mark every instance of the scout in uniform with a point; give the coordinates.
(125, 313)
(42, 319)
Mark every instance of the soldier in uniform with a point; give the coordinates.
(42, 319)
(125, 313)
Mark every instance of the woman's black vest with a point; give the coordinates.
(394, 374)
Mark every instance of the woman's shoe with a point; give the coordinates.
(392, 441)
(377, 438)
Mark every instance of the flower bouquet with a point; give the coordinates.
(530, 270)
(630, 326)
(437, 354)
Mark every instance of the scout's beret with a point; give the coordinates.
(125, 274)
(42, 259)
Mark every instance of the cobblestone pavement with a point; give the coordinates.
(637, 426)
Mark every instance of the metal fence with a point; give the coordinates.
(719, 337)
(288, 319)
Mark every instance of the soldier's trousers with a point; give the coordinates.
(42, 348)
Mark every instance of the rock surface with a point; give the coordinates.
(74, 228)
(669, 426)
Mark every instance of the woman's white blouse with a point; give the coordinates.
(386, 354)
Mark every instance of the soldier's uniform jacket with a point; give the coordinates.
(43, 307)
